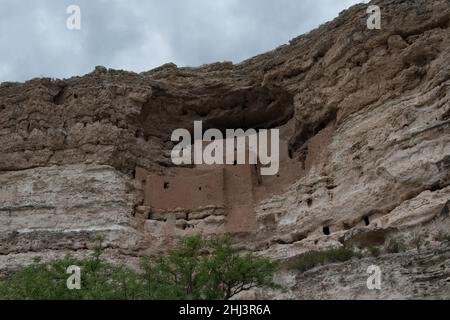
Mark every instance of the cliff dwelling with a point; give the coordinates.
(216, 199)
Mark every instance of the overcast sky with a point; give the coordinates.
(138, 35)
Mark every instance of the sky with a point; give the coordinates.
(139, 35)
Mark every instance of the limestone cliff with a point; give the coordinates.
(367, 118)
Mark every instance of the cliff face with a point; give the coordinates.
(374, 104)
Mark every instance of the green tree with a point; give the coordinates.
(100, 280)
(206, 269)
(194, 269)
(228, 273)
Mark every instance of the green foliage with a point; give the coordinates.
(418, 241)
(212, 270)
(312, 259)
(395, 246)
(374, 251)
(48, 281)
(194, 269)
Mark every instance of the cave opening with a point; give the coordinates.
(366, 220)
(253, 108)
(326, 230)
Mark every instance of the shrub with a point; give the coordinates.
(194, 269)
(312, 259)
(418, 241)
(47, 281)
(395, 246)
(374, 251)
(199, 269)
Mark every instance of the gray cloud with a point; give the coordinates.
(139, 35)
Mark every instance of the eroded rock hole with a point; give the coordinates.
(366, 221)
(435, 187)
(166, 185)
(58, 99)
(326, 230)
(290, 154)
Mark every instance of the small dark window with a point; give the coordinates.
(199, 188)
(326, 230)
(166, 185)
(366, 221)
(139, 133)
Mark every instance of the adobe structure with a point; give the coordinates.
(216, 199)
